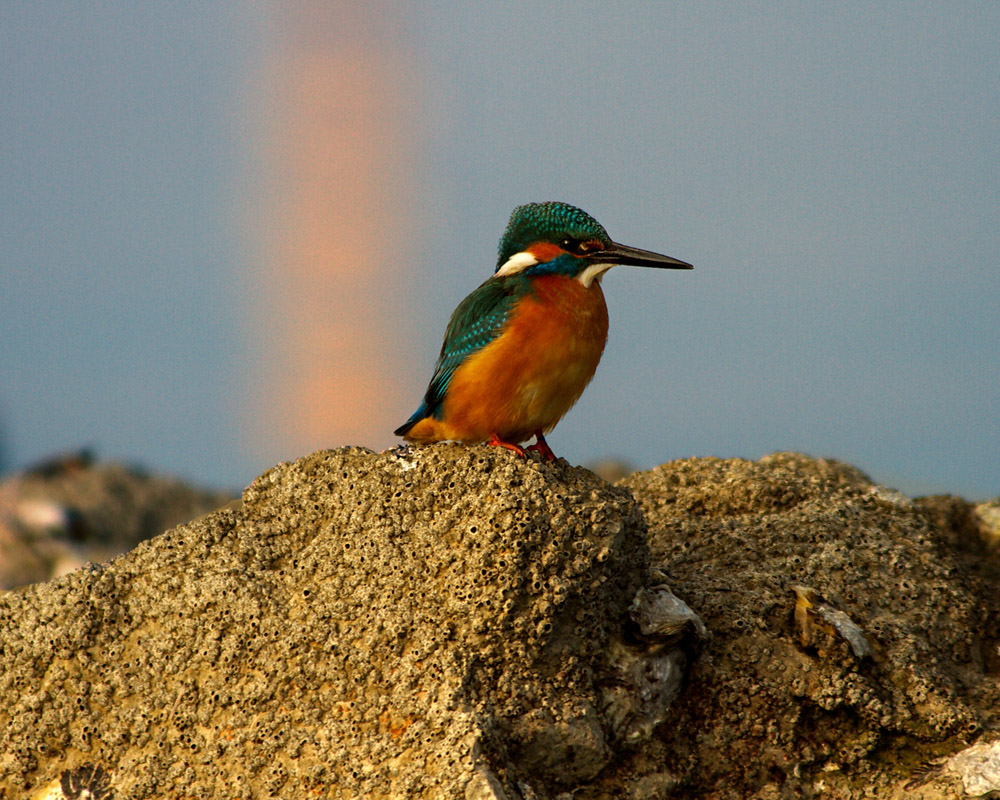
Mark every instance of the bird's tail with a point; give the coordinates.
(418, 415)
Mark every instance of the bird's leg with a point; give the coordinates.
(496, 441)
(541, 446)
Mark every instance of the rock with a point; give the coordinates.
(458, 622)
(411, 624)
(69, 510)
(763, 716)
(611, 469)
(646, 665)
(977, 767)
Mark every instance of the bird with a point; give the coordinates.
(521, 348)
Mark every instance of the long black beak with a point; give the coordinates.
(633, 256)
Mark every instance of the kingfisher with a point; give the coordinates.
(519, 351)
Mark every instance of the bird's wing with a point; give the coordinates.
(476, 322)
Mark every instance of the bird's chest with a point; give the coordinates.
(529, 376)
(561, 319)
(554, 343)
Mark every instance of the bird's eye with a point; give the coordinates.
(580, 247)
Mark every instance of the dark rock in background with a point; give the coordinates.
(457, 622)
(68, 510)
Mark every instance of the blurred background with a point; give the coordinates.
(232, 234)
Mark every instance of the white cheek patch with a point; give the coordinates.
(592, 273)
(517, 263)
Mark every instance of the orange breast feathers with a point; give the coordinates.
(527, 378)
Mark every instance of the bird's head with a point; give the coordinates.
(559, 239)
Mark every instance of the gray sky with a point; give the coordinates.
(832, 170)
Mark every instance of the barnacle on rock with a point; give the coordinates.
(646, 666)
(86, 782)
(816, 618)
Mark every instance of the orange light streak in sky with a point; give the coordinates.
(334, 217)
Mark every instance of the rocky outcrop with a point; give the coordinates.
(457, 622)
(784, 708)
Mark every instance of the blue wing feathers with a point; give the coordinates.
(476, 322)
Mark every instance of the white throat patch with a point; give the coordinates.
(517, 263)
(592, 273)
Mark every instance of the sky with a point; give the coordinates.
(832, 171)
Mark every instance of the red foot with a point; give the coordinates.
(541, 446)
(496, 441)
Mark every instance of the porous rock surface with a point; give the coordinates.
(763, 716)
(395, 625)
(453, 622)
